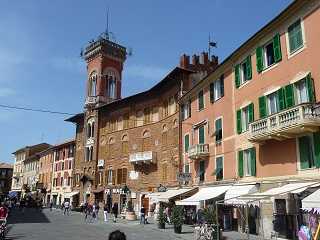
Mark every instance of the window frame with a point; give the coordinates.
(201, 105)
(300, 48)
(204, 171)
(311, 147)
(217, 119)
(265, 57)
(222, 159)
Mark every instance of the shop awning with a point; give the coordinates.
(312, 202)
(70, 194)
(204, 194)
(173, 193)
(279, 191)
(233, 194)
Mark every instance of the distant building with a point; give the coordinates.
(62, 173)
(6, 171)
(25, 170)
(45, 173)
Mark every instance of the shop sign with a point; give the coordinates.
(183, 177)
(133, 175)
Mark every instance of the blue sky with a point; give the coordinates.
(40, 43)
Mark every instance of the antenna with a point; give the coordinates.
(210, 45)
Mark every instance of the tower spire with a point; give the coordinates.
(107, 30)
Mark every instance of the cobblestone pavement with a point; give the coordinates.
(47, 225)
(54, 225)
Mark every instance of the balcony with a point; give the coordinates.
(198, 151)
(91, 101)
(142, 157)
(286, 124)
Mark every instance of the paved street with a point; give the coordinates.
(53, 225)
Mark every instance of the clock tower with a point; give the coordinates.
(104, 60)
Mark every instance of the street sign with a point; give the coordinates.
(183, 177)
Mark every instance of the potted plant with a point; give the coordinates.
(211, 226)
(177, 218)
(161, 218)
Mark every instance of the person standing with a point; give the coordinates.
(66, 206)
(115, 211)
(142, 215)
(51, 205)
(105, 212)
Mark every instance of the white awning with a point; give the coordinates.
(71, 194)
(312, 202)
(233, 194)
(279, 191)
(204, 194)
(171, 193)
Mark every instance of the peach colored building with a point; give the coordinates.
(255, 121)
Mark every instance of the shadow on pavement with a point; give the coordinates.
(30, 215)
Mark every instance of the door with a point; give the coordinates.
(145, 203)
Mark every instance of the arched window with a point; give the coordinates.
(93, 85)
(111, 84)
(146, 141)
(90, 128)
(125, 144)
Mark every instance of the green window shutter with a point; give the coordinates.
(310, 88)
(281, 97)
(251, 112)
(259, 56)
(240, 163)
(200, 100)
(211, 92)
(186, 143)
(316, 144)
(218, 124)
(289, 97)
(237, 75)
(201, 135)
(304, 152)
(277, 48)
(253, 161)
(249, 68)
(262, 106)
(239, 125)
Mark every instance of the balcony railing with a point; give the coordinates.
(198, 151)
(142, 157)
(286, 124)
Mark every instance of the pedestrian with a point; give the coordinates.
(94, 211)
(115, 211)
(22, 205)
(168, 214)
(97, 210)
(66, 206)
(51, 205)
(117, 235)
(105, 212)
(142, 215)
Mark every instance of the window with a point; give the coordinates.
(164, 172)
(217, 89)
(147, 116)
(89, 153)
(247, 162)
(121, 176)
(186, 110)
(269, 54)
(126, 121)
(71, 151)
(244, 117)
(218, 130)
(62, 166)
(301, 91)
(202, 170)
(243, 72)
(200, 100)
(125, 147)
(186, 142)
(139, 118)
(155, 114)
(100, 180)
(111, 85)
(61, 181)
(93, 85)
(165, 109)
(110, 178)
(273, 103)
(90, 128)
(295, 36)
(187, 168)
(309, 150)
(219, 168)
(201, 139)
(164, 138)
(69, 181)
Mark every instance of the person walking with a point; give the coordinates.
(94, 212)
(168, 214)
(115, 211)
(105, 212)
(66, 206)
(142, 215)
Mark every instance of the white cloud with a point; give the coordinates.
(7, 92)
(146, 72)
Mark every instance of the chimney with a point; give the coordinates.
(195, 60)
(184, 61)
(204, 58)
(214, 60)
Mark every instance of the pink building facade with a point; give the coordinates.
(255, 119)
